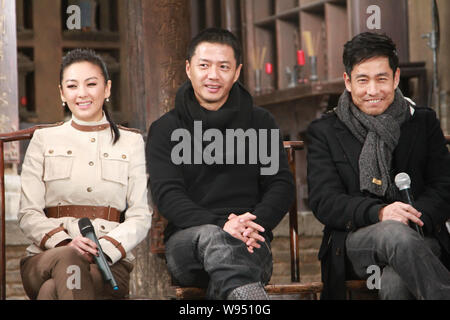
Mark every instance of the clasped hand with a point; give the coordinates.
(243, 227)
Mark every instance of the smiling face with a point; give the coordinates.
(84, 90)
(372, 85)
(213, 71)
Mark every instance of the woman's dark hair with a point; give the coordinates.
(88, 55)
(367, 45)
(215, 35)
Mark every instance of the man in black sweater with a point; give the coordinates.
(219, 174)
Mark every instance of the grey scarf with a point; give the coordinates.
(379, 136)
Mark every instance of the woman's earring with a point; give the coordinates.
(63, 103)
(107, 99)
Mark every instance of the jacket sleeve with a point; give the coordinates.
(433, 201)
(278, 188)
(169, 192)
(329, 198)
(44, 232)
(134, 229)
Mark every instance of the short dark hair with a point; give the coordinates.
(367, 45)
(89, 55)
(215, 35)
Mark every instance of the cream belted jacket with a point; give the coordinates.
(66, 166)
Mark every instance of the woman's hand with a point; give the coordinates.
(86, 247)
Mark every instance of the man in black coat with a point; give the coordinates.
(219, 175)
(354, 153)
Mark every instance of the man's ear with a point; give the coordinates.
(396, 78)
(348, 82)
(238, 72)
(188, 69)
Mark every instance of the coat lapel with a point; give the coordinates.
(402, 153)
(349, 144)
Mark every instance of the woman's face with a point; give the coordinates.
(84, 90)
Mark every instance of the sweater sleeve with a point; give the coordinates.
(168, 188)
(278, 187)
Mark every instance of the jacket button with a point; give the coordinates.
(349, 225)
(89, 189)
(102, 227)
(92, 139)
(50, 151)
(69, 152)
(91, 163)
(105, 155)
(124, 156)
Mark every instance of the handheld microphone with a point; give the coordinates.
(87, 230)
(403, 183)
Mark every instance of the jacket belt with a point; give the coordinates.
(91, 212)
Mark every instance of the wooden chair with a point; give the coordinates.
(24, 134)
(295, 288)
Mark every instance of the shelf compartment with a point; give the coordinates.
(263, 9)
(315, 23)
(288, 41)
(265, 38)
(286, 5)
(336, 15)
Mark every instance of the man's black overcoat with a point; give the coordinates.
(334, 188)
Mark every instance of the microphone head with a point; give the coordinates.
(402, 181)
(85, 226)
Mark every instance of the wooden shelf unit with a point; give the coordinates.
(42, 42)
(277, 25)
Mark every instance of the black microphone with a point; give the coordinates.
(403, 183)
(87, 230)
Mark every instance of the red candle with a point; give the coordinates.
(269, 68)
(300, 57)
(23, 101)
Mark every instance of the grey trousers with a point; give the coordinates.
(207, 256)
(410, 265)
(48, 276)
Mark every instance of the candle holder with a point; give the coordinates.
(313, 61)
(257, 82)
(301, 75)
(292, 77)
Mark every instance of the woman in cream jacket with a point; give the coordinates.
(85, 167)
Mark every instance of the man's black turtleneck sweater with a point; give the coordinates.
(190, 195)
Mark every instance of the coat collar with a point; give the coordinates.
(90, 126)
